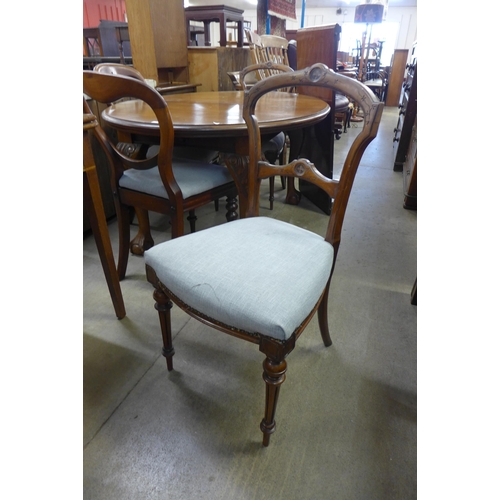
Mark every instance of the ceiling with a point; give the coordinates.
(249, 4)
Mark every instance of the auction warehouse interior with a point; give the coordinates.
(250, 249)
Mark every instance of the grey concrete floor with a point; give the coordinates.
(347, 415)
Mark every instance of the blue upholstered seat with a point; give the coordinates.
(209, 271)
(193, 178)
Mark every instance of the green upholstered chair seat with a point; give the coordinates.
(192, 177)
(239, 273)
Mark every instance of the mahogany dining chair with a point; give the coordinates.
(158, 182)
(235, 277)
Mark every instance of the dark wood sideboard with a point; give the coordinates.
(405, 134)
(407, 113)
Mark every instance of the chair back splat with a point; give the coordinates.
(236, 277)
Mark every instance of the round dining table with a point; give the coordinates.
(218, 114)
(213, 121)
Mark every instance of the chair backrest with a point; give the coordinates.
(339, 190)
(276, 48)
(268, 49)
(105, 88)
(118, 69)
(257, 52)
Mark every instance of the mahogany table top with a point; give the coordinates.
(206, 114)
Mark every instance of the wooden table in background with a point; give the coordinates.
(213, 121)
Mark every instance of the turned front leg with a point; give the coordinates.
(163, 306)
(274, 376)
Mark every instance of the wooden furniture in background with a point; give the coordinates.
(158, 40)
(91, 42)
(209, 66)
(396, 76)
(319, 44)
(128, 70)
(410, 172)
(407, 113)
(267, 48)
(95, 210)
(123, 37)
(221, 14)
(213, 120)
(102, 40)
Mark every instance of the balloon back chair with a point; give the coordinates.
(235, 277)
(159, 183)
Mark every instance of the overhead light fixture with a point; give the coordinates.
(369, 12)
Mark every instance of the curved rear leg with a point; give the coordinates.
(323, 317)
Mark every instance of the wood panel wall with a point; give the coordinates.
(97, 10)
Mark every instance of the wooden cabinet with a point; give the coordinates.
(208, 66)
(158, 39)
(407, 113)
(318, 44)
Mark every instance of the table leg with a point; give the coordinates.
(222, 24)
(297, 138)
(240, 34)
(292, 194)
(237, 165)
(206, 29)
